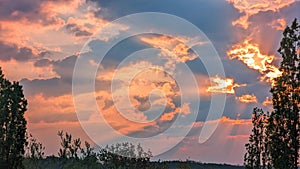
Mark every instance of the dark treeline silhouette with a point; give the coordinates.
(274, 142)
(72, 155)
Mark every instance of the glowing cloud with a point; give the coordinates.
(174, 47)
(267, 101)
(252, 7)
(223, 85)
(247, 98)
(184, 110)
(279, 24)
(250, 54)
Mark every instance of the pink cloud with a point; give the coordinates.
(253, 7)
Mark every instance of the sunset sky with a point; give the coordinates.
(135, 89)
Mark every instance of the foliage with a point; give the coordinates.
(125, 156)
(52, 162)
(34, 148)
(183, 165)
(34, 152)
(70, 147)
(275, 143)
(12, 123)
(284, 124)
(257, 155)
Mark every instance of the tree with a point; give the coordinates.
(257, 148)
(276, 144)
(284, 123)
(34, 153)
(125, 156)
(12, 123)
(35, 149)
(183, 165)
(70, 147)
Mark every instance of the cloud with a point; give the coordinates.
(143, 101)
(46, 87)
(64, 68)
(59, 27)
(268, 101)
(253, 7)
(9, 52)
(17, 71)
(278, 24)
(51, 109)
(59, 85)
(171, 47)
(74, 28)
(250, 54)
(43, 63)
(183, 111)
(223, 85)
(247, 98)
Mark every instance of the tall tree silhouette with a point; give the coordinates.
(284, 122)
(281, 134)
(257, 148)
(12, 123)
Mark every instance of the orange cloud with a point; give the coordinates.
(173, 47)
(250, 54)
(47, 29)
(15, 70)
(183, 111)
(267, 101)
(223, 85)
(252, 7)
(279, 24)
(57, 27)
(143, 88)
(247, 98)
(50, 110)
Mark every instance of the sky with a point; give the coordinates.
(181, 79)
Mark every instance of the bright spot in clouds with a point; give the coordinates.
(252, 7)
(249, 53)
(247, 98)
(222, 85)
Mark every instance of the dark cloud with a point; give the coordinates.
(54, 86)
(64, 68)
(9, 52)
(43, 63)
(144, 103)
(60, 85)
(27, 10)
(76, 30)
(82, 33)
(46, 87)
(108, 104)
(7, 8)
